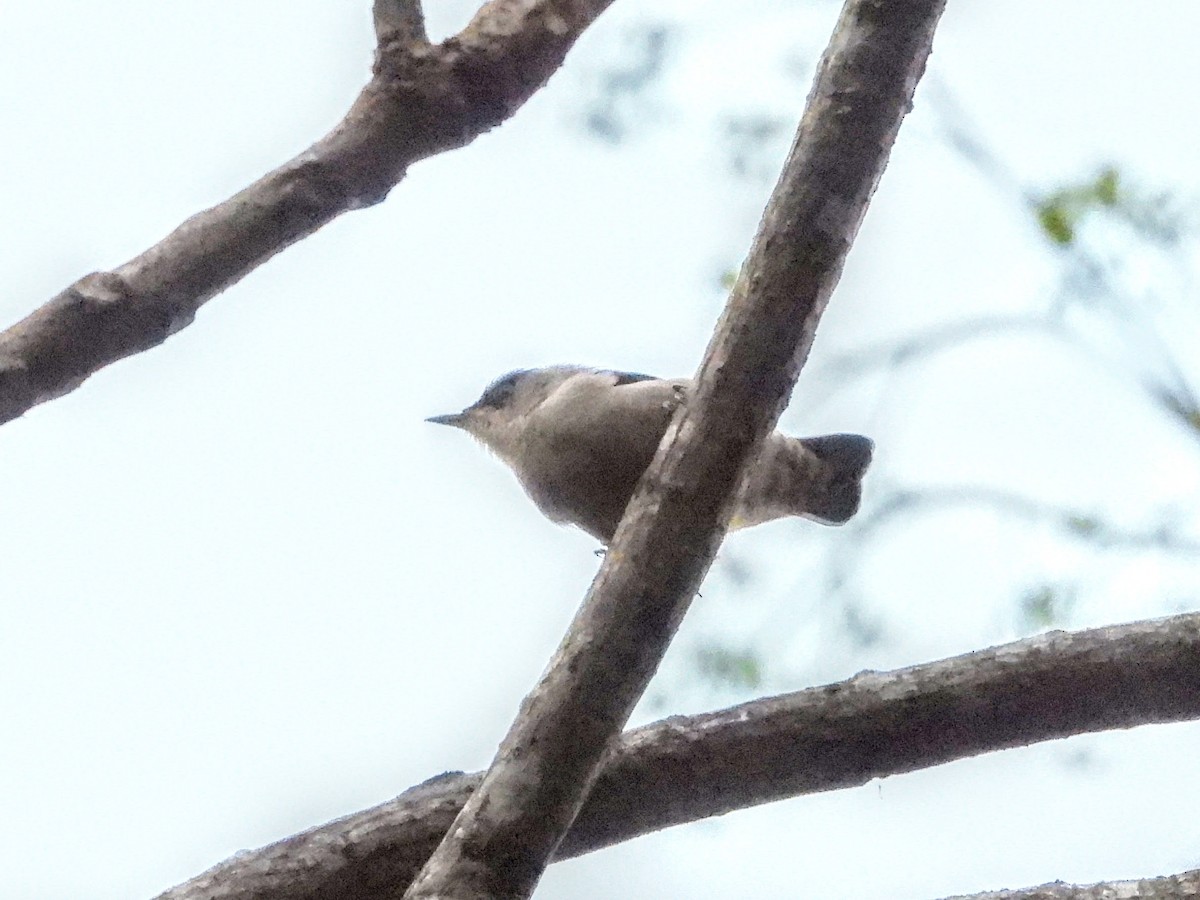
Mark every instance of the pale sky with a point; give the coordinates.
(246, 589)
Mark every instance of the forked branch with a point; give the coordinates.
(422, 100)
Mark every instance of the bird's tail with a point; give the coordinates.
(834, 498)
(819, 478)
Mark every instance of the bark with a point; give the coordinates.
(1185, 886)
(842, 735)
(501, 842)
(399, 20)
(421, 100)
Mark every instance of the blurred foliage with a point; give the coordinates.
(726, 667)
(861, 627)
(622, 95)
(752, 142)
(1047, 606)
(1182, 406)
(1083, 526)
(1099, 227)
(1062, 212)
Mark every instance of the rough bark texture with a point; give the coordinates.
(841, 735)
(501, 842)
(422, 100)
(1185, 886)
(399, 20)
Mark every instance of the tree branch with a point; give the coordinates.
(842, 735)
(500, 843)
(399, 20)
(422, 100)
(1185, 886)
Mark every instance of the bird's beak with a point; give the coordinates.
(455, 419)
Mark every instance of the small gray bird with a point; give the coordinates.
(579, 439)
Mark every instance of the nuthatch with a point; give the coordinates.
(579, 439)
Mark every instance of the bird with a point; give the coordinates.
(579, 438)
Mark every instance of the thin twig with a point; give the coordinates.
(891, 354)
(903, 504)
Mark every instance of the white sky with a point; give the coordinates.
(245, 588)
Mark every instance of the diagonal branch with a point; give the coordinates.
(500, 843)
(422, 100)
(826, 738)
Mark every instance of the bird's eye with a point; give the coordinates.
(500, 392)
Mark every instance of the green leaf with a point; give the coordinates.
(1057, 221)
(730, 667)
(1046, 606)
(1106, 190)
(1084, 526)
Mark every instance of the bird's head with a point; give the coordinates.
(498, 418)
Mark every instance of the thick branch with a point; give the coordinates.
(1185, 886)
(422, 100)
(500, 843)
(837, 736)
(399, 20)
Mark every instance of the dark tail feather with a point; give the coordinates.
(845, 457)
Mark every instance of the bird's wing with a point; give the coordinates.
(626, 377)
(613, 411)
(616, 404)
(601, 428)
